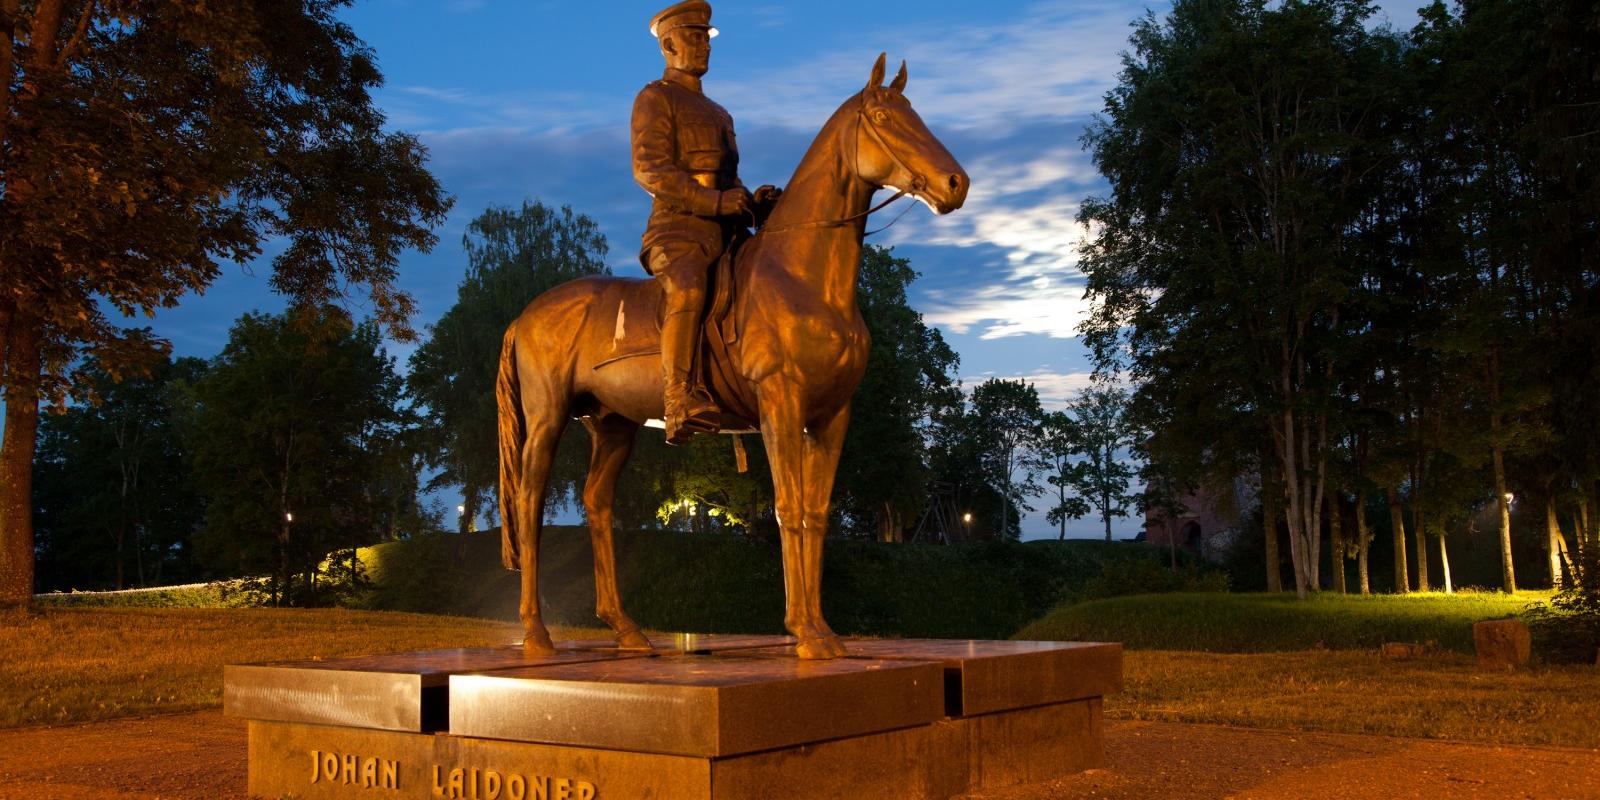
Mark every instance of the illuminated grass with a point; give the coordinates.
(79, 664)
(1443, 696)
(1257, 623)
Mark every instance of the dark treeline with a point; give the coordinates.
(1364, 265)
(301, 441)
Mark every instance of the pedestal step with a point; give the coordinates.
(706, 718)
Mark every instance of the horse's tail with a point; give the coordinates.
(513, 432)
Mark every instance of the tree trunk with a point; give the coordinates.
(1554, 544)
(1419, 528)
(1363, 542)
(23, 368)
(1269, 522)
(1508, 573)
(1336, 542)
(1444, 563)
(1397, 521)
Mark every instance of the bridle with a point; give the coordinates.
(918, 182)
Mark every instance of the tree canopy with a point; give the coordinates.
(143, 143)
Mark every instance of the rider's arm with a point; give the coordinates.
(654, 166)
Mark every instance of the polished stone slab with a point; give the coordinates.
(697, 705)
(942, 759)
(983, 676)
(397, 692)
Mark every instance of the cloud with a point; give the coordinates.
(1056, 389)
(987, 78)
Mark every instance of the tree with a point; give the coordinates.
(1058, 446)
(292, 440)
(115, 503)
(513, 255)
(1103, 433)
(1005, 419)
(231, 123)
(884, 469)
(1236, 143)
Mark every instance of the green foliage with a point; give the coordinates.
(513, 255)
(296, 439)
(1099, 416)
(1567, 630)
(1263, 623)
(143, 143)
(712, 583)
(1001, 431)
(881, 485)
(114, 507)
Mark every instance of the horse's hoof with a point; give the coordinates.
(836, 646)
(813, 650)
(633, 640)
(538, 645)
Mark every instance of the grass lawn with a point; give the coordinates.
(1443, 696)
(79, 664)
(1262, 623)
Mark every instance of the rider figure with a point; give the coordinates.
(685, 156)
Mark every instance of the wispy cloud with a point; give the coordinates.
(1056, 389)
(1050, 61)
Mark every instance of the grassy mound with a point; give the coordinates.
(1258, 623)
(719, 583)
(79, 664)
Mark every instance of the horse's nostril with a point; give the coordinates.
(955, 182)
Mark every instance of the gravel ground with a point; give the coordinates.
(202, 757)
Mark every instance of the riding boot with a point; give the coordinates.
(689, 409)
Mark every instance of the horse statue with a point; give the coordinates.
(784, 351)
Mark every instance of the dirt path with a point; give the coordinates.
(202, 757)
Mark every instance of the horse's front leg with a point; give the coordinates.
(783, 432)
(821, 461)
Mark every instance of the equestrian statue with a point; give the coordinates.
(734, 332)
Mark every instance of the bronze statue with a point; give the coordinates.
(685, 155)
(783, 347)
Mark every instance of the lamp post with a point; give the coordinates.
(966, 519)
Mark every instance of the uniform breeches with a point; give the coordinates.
(682, 268)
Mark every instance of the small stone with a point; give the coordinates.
(1400, 651)
(1502, 644)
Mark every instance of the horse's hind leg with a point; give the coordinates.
(538, 451)
(611, 439)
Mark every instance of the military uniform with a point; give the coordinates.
(685, 155)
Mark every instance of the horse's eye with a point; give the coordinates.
(880, 116)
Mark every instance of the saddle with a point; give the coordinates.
(713, 366)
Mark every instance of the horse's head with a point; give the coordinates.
(895, 149)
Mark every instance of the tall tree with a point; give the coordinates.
(292, 437)
(115, 504)
(884, 469)
(1104, 439)
(1058, 448)
(513, 255)
(1005, 416)
(1235, 144)
(231, 123)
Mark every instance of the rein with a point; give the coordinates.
(855, 161)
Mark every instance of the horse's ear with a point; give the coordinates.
(876, 81)
(899, 84)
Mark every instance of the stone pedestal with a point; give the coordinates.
(701, 717)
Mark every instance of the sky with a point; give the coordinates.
(525, 100)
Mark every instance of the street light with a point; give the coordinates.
(966, 519)
(461, 509)
(287, 517)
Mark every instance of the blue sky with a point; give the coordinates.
(530, 100)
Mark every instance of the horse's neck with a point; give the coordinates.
(824, 188)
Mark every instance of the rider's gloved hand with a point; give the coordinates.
(736, 202)
(766, 195)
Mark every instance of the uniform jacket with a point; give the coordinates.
(684, 155)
